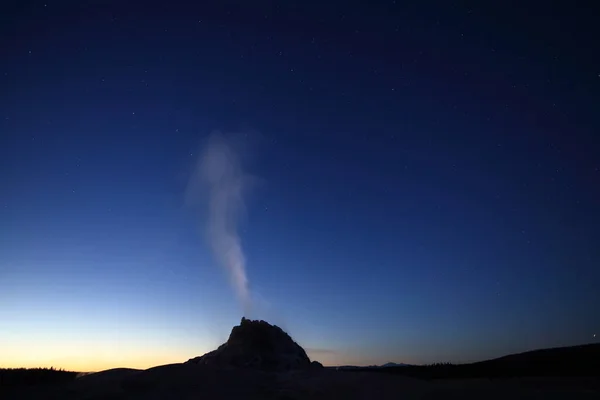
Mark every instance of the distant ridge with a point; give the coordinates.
(393, 364)
(582, 360)
(386, 365)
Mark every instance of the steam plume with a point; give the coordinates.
(220, 181)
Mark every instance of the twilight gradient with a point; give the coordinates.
(429, 180)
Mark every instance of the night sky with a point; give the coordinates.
(421, 182)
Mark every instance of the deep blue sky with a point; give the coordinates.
(429, 178)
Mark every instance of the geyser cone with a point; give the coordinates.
(260, 345)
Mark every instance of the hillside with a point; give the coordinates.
(581, 360)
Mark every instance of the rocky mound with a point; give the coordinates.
(257, 345)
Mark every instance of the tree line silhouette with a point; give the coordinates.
(18, 377)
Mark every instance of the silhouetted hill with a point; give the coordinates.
(581, 360)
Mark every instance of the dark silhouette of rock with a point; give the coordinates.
(257, 345)
(316, 365)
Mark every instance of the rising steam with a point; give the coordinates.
(219, 182)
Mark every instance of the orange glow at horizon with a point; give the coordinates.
(71, 349)
(90, 356)
(84, 357)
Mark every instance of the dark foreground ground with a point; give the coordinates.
(188, 381)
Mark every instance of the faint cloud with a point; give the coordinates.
(321, 352)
